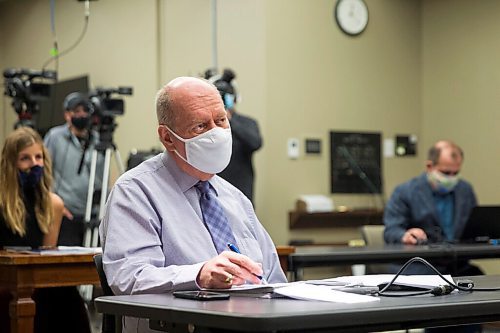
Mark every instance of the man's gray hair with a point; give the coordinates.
(164, 111)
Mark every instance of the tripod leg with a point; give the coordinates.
(90, 193)
(86, 290)
(104, 191)
(119, 162)
(105, 180)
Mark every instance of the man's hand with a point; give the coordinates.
(414, 236)
(228, 269)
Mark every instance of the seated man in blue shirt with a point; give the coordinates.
(433, 207)
(158, 233)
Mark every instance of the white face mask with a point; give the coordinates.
(209, 152)
(442, 183)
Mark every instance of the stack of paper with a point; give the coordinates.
(54, 250)
(333, 290)
(305, 291)
(297, 290)
(252, 290)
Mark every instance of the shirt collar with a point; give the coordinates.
(184, 181)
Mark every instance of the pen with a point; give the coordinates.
(235, 249)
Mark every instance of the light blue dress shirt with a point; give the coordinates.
(154, 239)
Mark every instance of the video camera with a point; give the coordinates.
(26, 93)
(103, 110)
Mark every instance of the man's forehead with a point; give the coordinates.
(450, 155)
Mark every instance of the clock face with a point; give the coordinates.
(351, 16)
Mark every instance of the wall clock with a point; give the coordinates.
(351, 16)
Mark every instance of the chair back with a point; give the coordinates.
(373, 235)
(102, 276)
(110, 323)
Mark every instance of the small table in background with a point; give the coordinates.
(21, 273)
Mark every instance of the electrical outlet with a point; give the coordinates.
(293, 148)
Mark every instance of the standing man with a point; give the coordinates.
(70, 146)
(168, 221)
(246, 136)
(433, 207)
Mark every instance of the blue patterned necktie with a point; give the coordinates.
(215, 219)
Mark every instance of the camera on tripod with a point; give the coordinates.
(27, 88)
(104, 109)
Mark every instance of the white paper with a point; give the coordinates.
(389, 145)
(316, 203)
(250, 289)
(311, 292)
(72, 250)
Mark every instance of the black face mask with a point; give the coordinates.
(32, 177)
(80, 122)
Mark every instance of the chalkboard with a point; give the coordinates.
(355, 163)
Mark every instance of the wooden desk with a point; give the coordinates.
(284, 252)
(245, 314)
(22, 273)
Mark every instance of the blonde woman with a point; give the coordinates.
(30, 215)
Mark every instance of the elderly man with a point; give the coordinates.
(159, 233)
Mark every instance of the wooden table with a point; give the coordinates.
(21, 273)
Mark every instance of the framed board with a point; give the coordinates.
(355, 162)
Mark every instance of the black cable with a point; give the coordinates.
(436, 291)
(462, 285)
(55, 50)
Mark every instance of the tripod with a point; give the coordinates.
(91, 237)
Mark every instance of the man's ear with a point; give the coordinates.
(67, 116)
(166, 138)
(428, 165)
